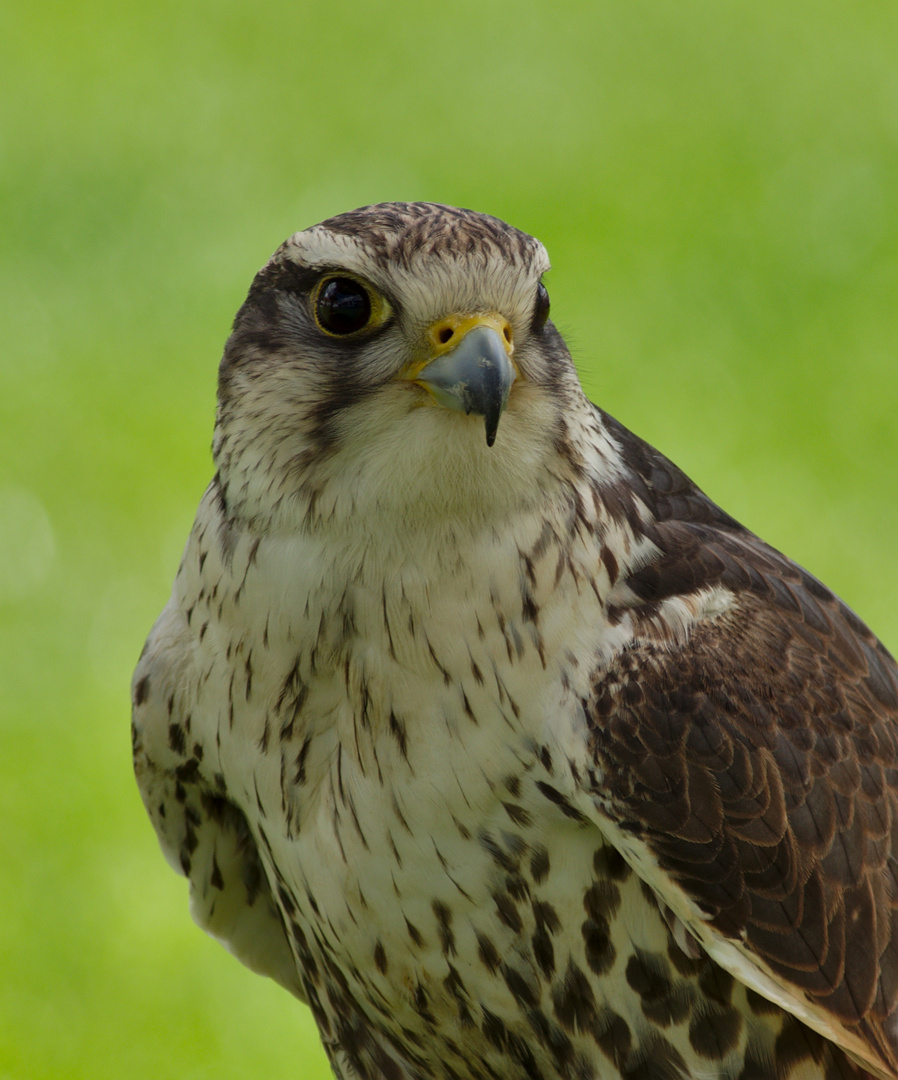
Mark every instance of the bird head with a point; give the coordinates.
(397, 358)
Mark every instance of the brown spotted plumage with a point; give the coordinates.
(481, 729)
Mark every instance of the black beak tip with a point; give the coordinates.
(492, 426)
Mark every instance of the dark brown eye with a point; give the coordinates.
(541, 308)
(342, 306)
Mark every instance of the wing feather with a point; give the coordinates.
(202, 833)
(750, 772)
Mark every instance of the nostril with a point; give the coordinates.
(507, 332)
(445, 334)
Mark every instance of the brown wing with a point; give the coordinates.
(758, 763)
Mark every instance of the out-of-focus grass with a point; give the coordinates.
(716, 184)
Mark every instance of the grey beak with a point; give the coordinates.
(474, 377)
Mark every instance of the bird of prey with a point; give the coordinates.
(475, 724)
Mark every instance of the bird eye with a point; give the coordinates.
(342, 306)
(541, 308)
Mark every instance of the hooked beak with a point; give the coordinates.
(472, 370)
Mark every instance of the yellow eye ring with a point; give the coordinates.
(344, 305)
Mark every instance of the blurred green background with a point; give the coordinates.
(716, 183)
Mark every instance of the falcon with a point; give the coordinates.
(476, 725)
